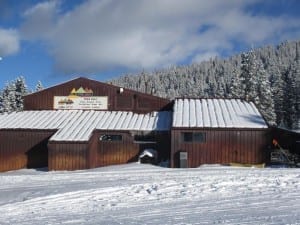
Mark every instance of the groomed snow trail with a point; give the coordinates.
(145, 194)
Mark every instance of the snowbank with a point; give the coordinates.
(145, 194)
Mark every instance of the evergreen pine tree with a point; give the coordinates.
(277, 85)
(20, 91)
(248, 76)
(212, 77)
(39, 86)
(294, 89)
(1, 101)
(9, 97)
(264, 99)
(235, 86)
(12, 96)
(290, 112)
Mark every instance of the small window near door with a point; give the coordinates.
(189, 137)
(199, 137)
(111, 137)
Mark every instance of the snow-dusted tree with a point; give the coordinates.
(1, 101)
(221, 90)
(235, 90)
(9, 97)
(264, 99)
(293, 93)
(290, 102)
(248, 76)
(39, 86)
(216, 77)
(6, 107)
(20, 91)
(12, 95)
(277, 84)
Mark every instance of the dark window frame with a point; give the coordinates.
(111, 138)
(193, 137)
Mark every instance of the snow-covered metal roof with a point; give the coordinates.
(78, 125)
(43, 120)
(82, 128)
(216, 113)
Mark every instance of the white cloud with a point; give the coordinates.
(103, 35)
(40, 20)
(9, 42)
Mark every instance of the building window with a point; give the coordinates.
(198, 137)
(187, 137)
(144, 139)
(111, 137)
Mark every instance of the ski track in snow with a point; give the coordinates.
(145, 194)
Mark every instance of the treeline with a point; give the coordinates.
(11, 96)
(268, 76)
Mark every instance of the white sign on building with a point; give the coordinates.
(81, 102)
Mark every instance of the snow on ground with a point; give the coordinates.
(145, 194)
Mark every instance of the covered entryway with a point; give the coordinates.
(23, 149)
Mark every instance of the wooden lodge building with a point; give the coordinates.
(85, 124)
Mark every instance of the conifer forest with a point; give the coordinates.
(268, 76)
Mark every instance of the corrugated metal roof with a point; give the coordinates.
(36, 119)
(82, 128)
(78, 125)
(214, 113)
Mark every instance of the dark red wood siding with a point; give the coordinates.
(222, 146)
(67, 156)
(104, 153)
(128, 100)
(23, 149)
(96, 153)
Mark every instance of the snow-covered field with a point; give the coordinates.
(145, 194)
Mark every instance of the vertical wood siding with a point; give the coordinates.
(23, 149)
(104, 153)
(43, 100)
(222, 146)
(67, 156)
(116, 152)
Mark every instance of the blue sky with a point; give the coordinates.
(55, 41)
